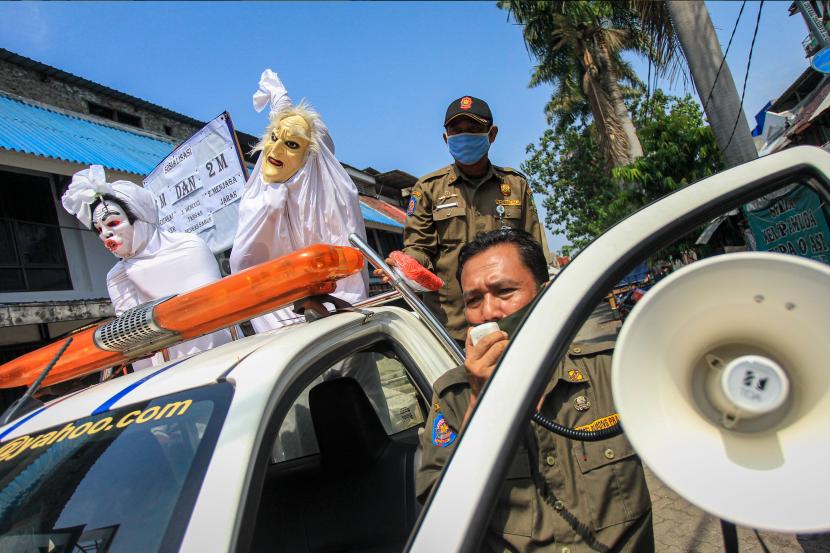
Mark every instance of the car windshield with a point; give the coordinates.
(118, 481)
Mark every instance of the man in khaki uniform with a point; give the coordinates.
(449, 207)
(559, 495)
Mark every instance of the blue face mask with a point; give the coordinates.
(468, 148)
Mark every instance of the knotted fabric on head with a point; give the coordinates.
(271, 91)
(89, 185)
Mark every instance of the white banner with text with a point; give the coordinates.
(197, 187)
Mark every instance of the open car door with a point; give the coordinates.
(752, 460)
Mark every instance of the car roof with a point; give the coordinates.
(200, 369)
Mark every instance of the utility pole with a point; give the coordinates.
(703, 53)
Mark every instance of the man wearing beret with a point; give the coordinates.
(450, 206)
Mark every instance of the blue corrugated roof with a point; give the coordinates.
(35, 130)
(376, 216)
(40, 131)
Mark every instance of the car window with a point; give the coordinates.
(122, 480)
(384, 379)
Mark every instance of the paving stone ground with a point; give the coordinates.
(680, 527)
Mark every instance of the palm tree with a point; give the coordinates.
(579, 43)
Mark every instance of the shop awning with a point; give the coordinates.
(379, 212)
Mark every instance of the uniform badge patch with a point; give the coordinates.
(601, 424)
(575, 376)
(413, 203)
(516, 203)
(466, 103)
(581, 403)
(442, 434)
(505, 189)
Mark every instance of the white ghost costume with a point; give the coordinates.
(318, 204)
(159, 264)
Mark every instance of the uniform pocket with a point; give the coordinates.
(512, 212)
(514, 511)
(612, 480)
(451, 224)
(512, 217)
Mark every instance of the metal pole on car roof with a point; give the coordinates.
(409, 296)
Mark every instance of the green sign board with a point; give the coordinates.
(795, 223)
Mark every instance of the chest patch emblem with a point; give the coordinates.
(575, 376)
(442, 434)
(581, 403)
(413, 203)
(505, 189)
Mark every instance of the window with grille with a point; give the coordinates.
(32, 256)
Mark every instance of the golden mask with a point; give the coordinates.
(284, 150)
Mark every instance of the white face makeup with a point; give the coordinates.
(285, 149)
(113, 228)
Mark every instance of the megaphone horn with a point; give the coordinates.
(721, 376)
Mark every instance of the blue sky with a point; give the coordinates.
(381, 74)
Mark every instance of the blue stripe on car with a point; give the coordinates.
(107, 405)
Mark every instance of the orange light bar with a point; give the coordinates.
(226, 302)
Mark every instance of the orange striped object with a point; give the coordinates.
(226, 302)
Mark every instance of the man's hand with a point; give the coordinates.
(482, 358)
(379, 272)
(481, 362)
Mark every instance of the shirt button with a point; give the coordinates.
(609, 453)
(558, 505)
(550, 460)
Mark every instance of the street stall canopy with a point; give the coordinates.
(379, 212)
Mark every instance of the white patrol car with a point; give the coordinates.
(304, 439)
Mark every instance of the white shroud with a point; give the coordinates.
(161, 263)
(171, 263)
(319, 204)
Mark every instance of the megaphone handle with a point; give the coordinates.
(730, 536)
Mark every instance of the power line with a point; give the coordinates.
(723, 59)
(746, 76)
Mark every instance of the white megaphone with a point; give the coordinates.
(721, 376)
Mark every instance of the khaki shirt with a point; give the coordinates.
(448, 209)
(559, 495)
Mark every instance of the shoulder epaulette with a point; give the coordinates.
(511, 171)
(453, 377)
(436, 174)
